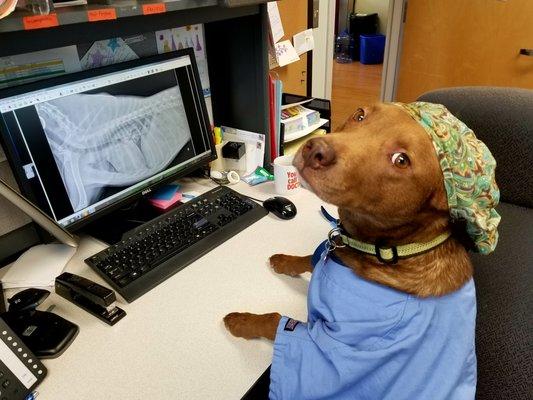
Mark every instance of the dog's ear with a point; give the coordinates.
(438, 199)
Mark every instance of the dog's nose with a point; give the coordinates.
(317, 153)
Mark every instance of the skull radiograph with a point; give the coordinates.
(100, 140)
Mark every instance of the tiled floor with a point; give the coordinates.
(354, 84)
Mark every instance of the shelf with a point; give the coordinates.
(24, 20)
(297, 135)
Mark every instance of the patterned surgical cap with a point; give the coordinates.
(468, 168)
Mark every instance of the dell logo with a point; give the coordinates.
(146, 191)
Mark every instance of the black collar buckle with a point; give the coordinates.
(379, 246)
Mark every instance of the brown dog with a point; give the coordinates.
(380, 169)
(391, 302)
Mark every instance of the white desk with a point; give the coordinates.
(172, 344)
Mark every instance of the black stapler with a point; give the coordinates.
(92, 297)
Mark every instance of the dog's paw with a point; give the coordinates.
(288, 265)
(240, 324)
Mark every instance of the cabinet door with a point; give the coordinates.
(294, 18)
(465, 43)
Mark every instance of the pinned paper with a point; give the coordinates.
(255, 145)
(304, 41)
(276, 27)
(285, 53)
(29, 67)
(107, 52)
(272, 62)
(184, 37)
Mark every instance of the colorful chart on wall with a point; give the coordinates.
(181, 38)
(29, 67)
(185, 37)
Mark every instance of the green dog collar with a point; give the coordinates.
(391, 254)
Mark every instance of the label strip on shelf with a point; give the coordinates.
(154, 8)
(101, 14)
(40, 21)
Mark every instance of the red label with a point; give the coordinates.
(102, 14)
(40, 21)
(154, 8)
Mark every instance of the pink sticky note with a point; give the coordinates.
(164, 204)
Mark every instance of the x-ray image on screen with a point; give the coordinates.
(100, 141)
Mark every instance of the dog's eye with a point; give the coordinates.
(359, 115)
(400, 160)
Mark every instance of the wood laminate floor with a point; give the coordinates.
(354, 85)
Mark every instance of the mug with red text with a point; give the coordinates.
(286, 177)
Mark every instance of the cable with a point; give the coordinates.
(242, 194)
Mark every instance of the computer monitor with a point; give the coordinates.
(84, 144)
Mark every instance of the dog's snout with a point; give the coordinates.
(317, 153)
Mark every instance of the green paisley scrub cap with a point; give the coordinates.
(468, 168)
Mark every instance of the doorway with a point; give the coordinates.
(357, 82)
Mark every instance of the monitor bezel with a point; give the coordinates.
(15, 163)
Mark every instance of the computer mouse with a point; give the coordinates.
(281, 207)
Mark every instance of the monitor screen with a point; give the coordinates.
(84, 143)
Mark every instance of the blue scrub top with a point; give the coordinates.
(364, 340)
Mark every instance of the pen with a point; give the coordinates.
(32, 395)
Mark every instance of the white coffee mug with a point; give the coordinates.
(286, 178)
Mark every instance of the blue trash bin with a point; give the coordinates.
(372, 49)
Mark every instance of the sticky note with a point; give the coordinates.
(304, 41)
(164, 204)
(165, 193)
(285, 53)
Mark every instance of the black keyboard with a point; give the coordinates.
(158, 249)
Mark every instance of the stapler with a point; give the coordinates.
(92, 297)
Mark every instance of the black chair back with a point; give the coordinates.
(503, 119)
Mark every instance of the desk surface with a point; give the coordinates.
(172, 344)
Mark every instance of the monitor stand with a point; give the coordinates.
(111, 227)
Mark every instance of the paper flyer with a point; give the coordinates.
(285, 53)
(106, 52)
(29, 67)
(181, 38)
(276, 27)
(254, 142)
(304, 41)
(184, 37)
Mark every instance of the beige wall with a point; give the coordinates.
(365, 7)
(375, 6)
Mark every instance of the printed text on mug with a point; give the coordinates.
(292, 181)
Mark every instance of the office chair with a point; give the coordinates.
(503, 119)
